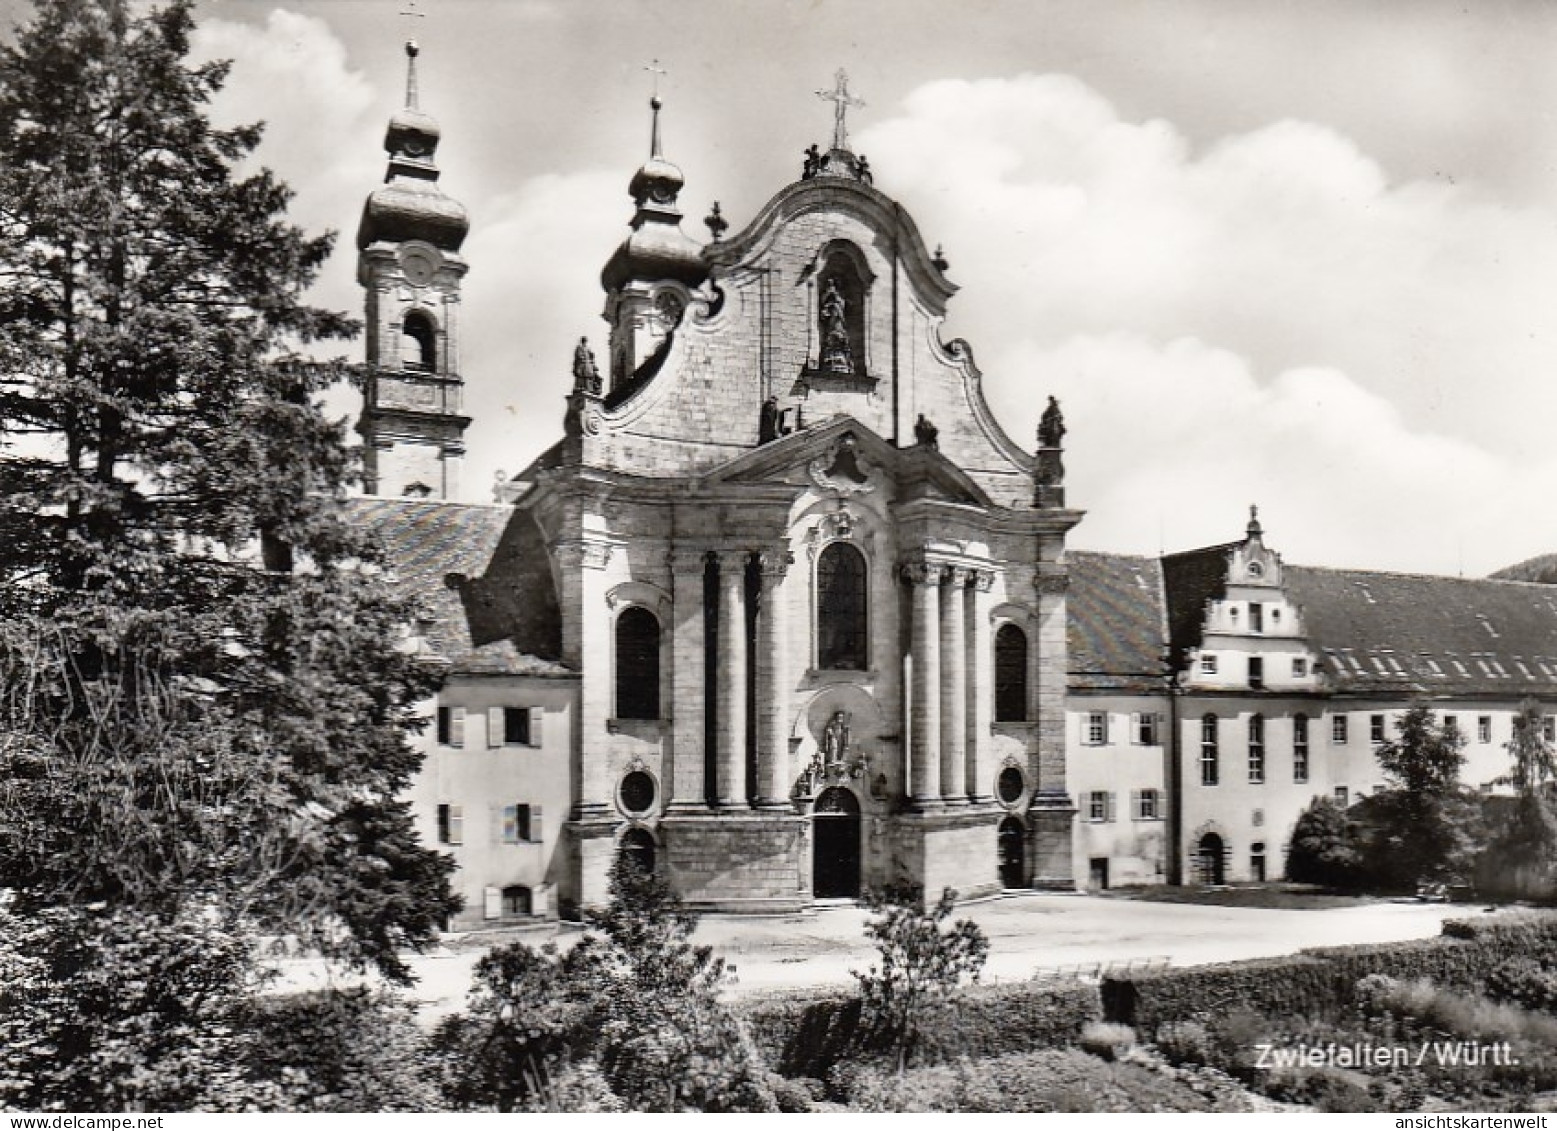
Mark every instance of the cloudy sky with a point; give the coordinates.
(1296, 254)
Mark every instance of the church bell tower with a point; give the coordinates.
(408, 243)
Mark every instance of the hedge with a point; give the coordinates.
(806, 1036)
(1319, 982)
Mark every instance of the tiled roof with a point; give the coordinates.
(1117, 622)
(480, 575)
(1391, 632)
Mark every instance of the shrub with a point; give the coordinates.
(1107, 1041)
(1049, 1080)
(1526, 982)
(340, 1050)
(634, 997)
(923, 963)
(1186, 1042)
(1324, 848)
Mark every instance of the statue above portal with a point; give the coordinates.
(837, 357)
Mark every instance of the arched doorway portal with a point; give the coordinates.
(638, 846)
(835, 829)
(1208, 859)
(1011, 847)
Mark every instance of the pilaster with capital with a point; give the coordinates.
(954, 684)
(773, 681)
(686, 788)
(1051, 582)
(981, 687)
(586, 632)
(925, 718)
(731, 784)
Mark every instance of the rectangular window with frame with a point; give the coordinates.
(1376, 729)
(1451, 726)
(521, 824)
(1096, 733)
(1338, 729)
(451, 825)
(514, 726)
(1256, 617)
(1148, 805)
(1256, 672)
(1257, 750)
(1300, 748)
(1210, 757)
(1146, 729)
(1549, 728)
(1484, 729)
(451, 726)
(1207, 665)
(1342, 797)
(1100, 806)
(1299, 667)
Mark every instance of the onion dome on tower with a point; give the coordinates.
(411, 206)
(658, 250)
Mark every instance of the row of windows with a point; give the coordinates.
(1211, 756)
(842, 642)
(1145, 805)
(1210, 664)
(1144, 729)
(521, 824)
(506, 726)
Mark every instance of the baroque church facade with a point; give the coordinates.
(784, 613)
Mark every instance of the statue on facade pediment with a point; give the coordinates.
(586, 376)
(926, 433)
(1051, 429)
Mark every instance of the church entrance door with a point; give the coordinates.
(835, 829)
(1010, 846)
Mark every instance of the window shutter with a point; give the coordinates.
(456, 825)
(443, 726)
(536, 829)
(1135, 804)
(493, 901)
(511, 824)
(495, 734)
(456, 726)
(1112, 797)
(1106, 719)
(537, 714)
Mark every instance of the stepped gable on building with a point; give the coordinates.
(1117, 622)
(1395, 634)
(1191, 580)
(480, 580)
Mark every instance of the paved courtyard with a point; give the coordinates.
(1026, 931)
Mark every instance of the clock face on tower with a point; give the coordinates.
(420, 264)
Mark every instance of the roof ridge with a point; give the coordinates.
(1424, 576)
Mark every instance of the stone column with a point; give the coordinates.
(954, 686)
(981, 688)
(773, 682)
(731, 785)
(685, 761)
(925, 773)
(586, 630)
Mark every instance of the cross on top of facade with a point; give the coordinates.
(841, 99)
(654, 68)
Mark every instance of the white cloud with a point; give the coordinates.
(1270, 318)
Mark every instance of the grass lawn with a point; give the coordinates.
(1280, 895)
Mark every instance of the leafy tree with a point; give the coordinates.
(923, 963)
(1523, 854)
(634, 1004)
(1324, 848)
(202, 705)
(1424, 828)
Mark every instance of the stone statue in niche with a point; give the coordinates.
(1051, 429)
(835, 739)
(586, 377)
(926, 434)
(837, 357)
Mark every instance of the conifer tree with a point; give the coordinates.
(202, 700)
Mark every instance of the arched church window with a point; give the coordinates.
(637, 664)
(1010, 675)
(841, 631)
(418, 343)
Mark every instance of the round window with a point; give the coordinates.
(637, 792)
(1009, 784)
